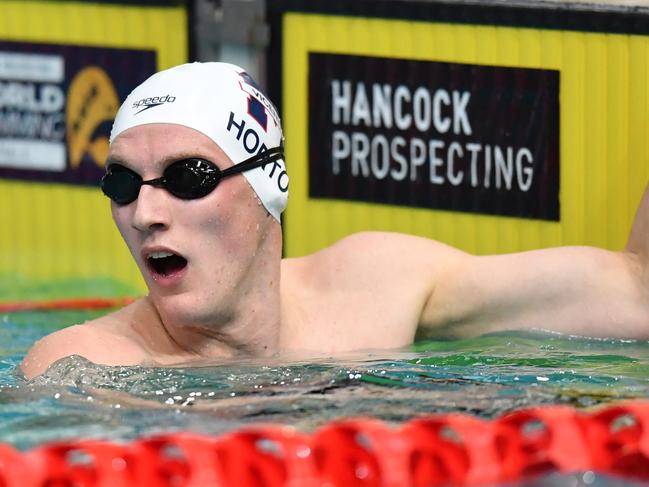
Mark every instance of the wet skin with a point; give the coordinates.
(230, 293)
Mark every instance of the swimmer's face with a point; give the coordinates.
(195, 254)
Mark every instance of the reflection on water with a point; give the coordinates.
(486, 376)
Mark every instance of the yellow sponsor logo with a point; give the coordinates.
(92, 100)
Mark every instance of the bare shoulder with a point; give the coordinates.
(367, 268)
(370, 255)
(380, 282)
(102, 341)
(373, 244)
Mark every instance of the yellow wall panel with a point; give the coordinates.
(603, 149)
(56, 231)
(83, 23)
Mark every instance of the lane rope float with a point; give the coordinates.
(436, 450)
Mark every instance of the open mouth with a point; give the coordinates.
(166, 263)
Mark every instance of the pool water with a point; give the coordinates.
(485, 376)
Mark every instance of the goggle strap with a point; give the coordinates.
(255, 161)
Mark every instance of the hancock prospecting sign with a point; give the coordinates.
(495, 127)
(449, 136)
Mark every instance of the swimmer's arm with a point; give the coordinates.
(576, 290)
(84, 340)
(637, 246)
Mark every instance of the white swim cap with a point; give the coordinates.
(223, 102)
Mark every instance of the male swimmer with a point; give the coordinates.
(197, 197)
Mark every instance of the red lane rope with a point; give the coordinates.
(430, 451)
(65, 304)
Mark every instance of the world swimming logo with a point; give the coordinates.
(92, 100)
(152, 102)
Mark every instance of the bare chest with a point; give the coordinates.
(344, 320)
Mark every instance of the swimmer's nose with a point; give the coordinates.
(151, 212)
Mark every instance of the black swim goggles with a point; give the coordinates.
(186, 179)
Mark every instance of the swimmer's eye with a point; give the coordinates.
(186, 179)
(119, 183)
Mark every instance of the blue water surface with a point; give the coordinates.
(485, 376)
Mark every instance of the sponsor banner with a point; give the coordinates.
(450, 136)
(57, 104)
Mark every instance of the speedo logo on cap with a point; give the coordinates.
(152, 102)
